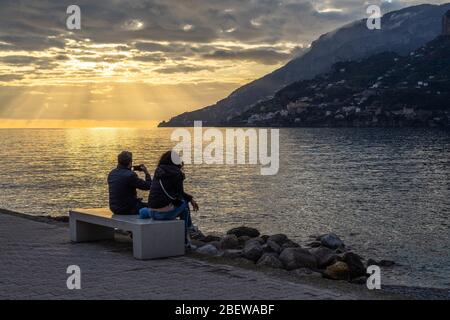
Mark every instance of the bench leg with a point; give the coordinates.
(158, 241)
(81, 231)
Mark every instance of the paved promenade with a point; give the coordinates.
(34, 257)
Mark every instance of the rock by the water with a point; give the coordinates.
(337, 271)
(270, 261)
(278, 238)
(230, 241)
(232, 254)
(215, 244)
(253, 250)
(257, 239)
(340, 250)
(197, 235)
(331, 241)
(244, 261)
(324, 256)
(314, 244)
(294, 258)
(208, 250)
(290, 244)
(211, 238)
(198, 243)
(243, 239)
(265, 237)
(273, 246)
(244, 231)
(381, 263)
(355, 265)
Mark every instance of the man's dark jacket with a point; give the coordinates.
(122, 183)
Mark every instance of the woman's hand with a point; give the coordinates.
(194, 205)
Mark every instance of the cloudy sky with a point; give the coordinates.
(149, 60)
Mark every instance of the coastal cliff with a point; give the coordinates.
(384, 90)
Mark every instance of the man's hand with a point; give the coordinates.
(144, 168)
(194, 205)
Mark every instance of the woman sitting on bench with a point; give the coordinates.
(167, 199)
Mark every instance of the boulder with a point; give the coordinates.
(211, 238)
(244, 231)
(198, 243)
(278, 238)
(243, 239)
(290, 244)
(244, 261)
(331, 241)
(208, 250)
(257, 239)
(265, 237)
(355, 265)
(252, 250)
(230, 241)
(197, 235)
(215, 244)
(324, 256)
(381, 263)
(270, 261)
(294, 258)
(273, 246)
(337, 271)
(314, 244)
(232, 254)
(340, 250)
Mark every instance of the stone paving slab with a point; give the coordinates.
(34, 257)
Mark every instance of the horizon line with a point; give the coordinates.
(77, 124)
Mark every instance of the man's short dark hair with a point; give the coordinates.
(125, 158)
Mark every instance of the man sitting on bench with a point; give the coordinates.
(123, 182)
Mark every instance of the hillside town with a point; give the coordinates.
(384, 90)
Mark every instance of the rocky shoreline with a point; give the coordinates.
(325, 255)
(309, 260)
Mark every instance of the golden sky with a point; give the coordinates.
(134, 63)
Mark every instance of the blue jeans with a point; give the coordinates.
(182, 211)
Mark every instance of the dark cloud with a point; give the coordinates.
(184, 69)
(36, 25)
(264, 56)
(23, 60)
(10, 77)
(150, 58)
(41, 24)
(175, 30)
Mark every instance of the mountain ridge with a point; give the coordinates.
(402, 31)
(385, 89)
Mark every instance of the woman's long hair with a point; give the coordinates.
(171, 158)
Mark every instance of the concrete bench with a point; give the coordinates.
(151, 239)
